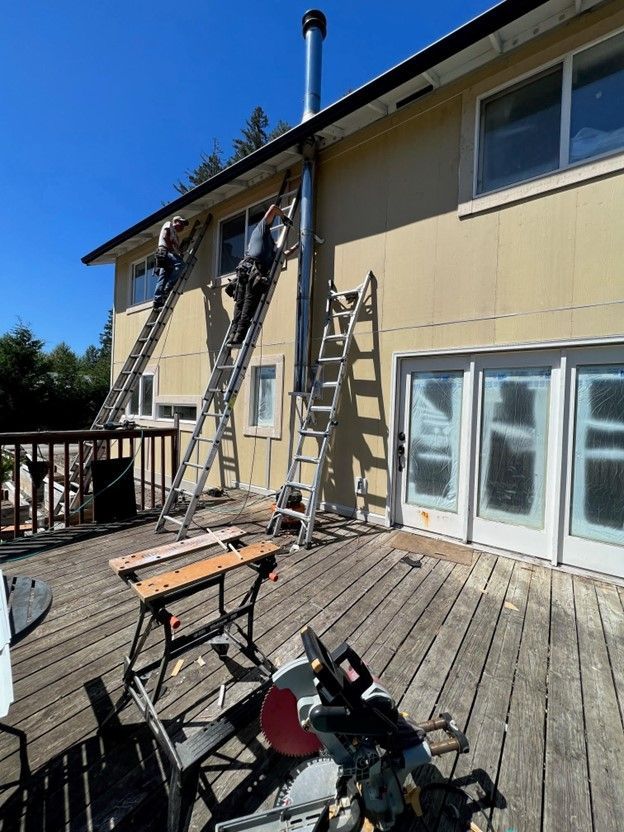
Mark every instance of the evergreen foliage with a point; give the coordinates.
(254, 135)
(55, 391)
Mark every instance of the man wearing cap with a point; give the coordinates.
(169, 262)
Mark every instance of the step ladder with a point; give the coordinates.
(319, 420)
(140, 354)
(219, 397)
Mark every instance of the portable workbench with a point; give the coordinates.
(158, 595)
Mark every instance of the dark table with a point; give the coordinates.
(29, 600)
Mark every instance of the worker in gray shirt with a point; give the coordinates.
(252, 273)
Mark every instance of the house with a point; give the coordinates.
(481, 181)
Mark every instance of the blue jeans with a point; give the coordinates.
(167, 276)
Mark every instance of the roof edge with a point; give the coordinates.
(445, 47)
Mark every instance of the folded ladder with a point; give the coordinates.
(218, 400)
(319, 420)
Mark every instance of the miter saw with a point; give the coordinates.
(329, 704)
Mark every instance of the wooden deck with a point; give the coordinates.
(530, 662)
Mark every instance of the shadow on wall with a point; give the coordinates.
(217, 323)
(362, 390)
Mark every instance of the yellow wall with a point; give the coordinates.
(543, 268)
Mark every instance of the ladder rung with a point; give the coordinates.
(330, 360)
(173, 520)
(297, 515)
(335, 337)
(304, 432)
(329, 384)
(214, 390)
(321, 408)
(298, 485)
(313, 459)
(350, 293)
(225, 366)
(193, 465)
(215, 415)
(341, 314)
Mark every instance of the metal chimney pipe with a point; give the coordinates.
(314, 26)
(314, 30)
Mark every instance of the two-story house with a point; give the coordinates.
(482, 181)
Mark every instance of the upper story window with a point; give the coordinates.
(569, 113)
(235, 231)
(143, 280)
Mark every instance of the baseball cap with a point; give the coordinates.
(180, 219)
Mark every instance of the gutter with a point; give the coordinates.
(446, 47)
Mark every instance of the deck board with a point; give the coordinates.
(528, 660)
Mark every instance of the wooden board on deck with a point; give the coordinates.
(194, 573)
(421, 545)
(148, 557)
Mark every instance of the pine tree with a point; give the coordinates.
(253, 135)
(24, 380)
(208, 167)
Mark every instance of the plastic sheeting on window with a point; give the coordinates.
(264, 410)
(597, 510)
(514, 438)
(434, 440)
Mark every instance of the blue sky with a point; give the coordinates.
(105, 105)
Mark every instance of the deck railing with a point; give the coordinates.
(47, 476)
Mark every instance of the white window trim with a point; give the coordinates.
(274, 431)
(191, 401)
(144, 304)
(570, 173)
(153, 372)
(223, 279)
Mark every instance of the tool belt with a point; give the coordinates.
(161, 257)
(247, 271)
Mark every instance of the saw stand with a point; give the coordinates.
(230, 627)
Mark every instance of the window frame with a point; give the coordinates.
(224, 276)
(153, 375)
(132, 304)
(275, 430)
(173, 400)
(567, 173)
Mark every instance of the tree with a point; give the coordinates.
(24, 380)
(208, 167)
(69, 389)
(254, 134)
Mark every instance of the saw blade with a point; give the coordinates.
(281, 727)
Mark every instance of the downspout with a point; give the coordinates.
(314, 31)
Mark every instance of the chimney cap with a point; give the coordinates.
(314, 18)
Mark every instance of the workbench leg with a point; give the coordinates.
(182, 794)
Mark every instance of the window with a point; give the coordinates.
(143, 280)
(183, 411)
(597, 508)
(235, 232)
(142, 399)
(567, 114)
(263, 396)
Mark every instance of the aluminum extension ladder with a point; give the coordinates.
(219, 398)
(141, 352)
(319, 420)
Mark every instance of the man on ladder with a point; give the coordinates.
(252, 273)
(169, 262)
